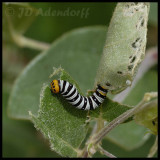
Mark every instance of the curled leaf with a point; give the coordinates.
(125, 46)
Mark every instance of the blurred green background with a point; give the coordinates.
(19, 137)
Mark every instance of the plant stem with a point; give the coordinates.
(153, 149)
(99, 136)
(22, 41)
(112, 125)
(106, 152)
(94, 140)
(100, 122)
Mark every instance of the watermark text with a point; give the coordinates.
(68, 12)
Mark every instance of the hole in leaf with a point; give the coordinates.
(135, 43)
(127, 5)
(142, 22)
(133, 59)
(108, 84)
(130, 67)
(137, 9)
(153, 122)
(119, 72)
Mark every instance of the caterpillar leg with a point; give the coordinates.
(70, 93)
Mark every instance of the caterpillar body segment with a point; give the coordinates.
(70, 93)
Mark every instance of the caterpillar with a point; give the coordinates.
(70, 93)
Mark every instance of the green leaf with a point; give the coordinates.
(21, 140)
(128, 135)
(109, 110)
(73, 51)
(60, 122)
(125, 46)
(24, 140)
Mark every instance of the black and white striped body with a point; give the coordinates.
(70, 93)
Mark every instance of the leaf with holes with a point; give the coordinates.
(125, 46)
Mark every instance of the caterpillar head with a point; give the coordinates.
(55, 86)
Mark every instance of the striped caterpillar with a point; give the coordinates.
(70, 93)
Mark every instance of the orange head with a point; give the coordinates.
(55, 86)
